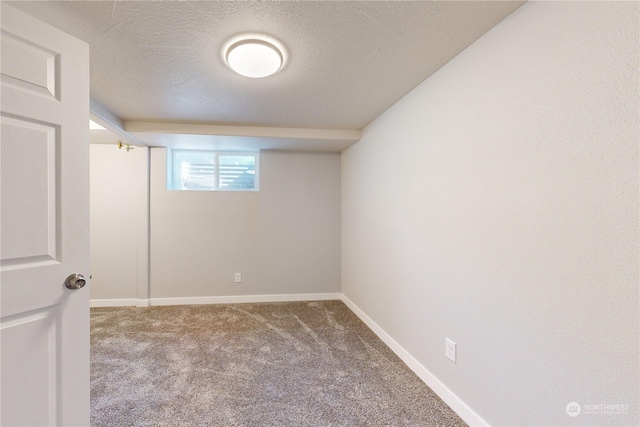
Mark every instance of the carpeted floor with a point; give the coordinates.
(273, 364)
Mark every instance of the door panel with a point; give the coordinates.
(30, 339)
(28, 66)
(44, 224)
(29, 228)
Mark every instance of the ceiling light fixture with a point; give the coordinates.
(254, 56)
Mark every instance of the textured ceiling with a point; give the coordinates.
(349, 61)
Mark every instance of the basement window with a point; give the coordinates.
(200, 170)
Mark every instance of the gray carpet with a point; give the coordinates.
(273, 364)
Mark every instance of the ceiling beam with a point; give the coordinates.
(245, 131)
(105, 118)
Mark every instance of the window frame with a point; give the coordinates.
(173, 186)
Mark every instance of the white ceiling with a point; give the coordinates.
(157, 66)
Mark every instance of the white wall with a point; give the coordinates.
(119, 225)
(284, 239)
(497, 205)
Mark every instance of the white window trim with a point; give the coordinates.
(216, 170)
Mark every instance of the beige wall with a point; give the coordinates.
(284, 239)
(497, 205)
(119, 222)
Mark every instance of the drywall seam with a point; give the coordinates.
(450, 398)
(144, 265)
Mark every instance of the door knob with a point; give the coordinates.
(75, 281)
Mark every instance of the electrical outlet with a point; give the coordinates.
(450, 350)
(238, 277)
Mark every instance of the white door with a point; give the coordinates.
(44, 224)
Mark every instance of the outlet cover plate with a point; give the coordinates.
(450, 350)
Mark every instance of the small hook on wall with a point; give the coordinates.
(126, 146)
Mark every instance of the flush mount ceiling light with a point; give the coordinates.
(254, 56)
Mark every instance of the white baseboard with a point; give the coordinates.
(130, 302)
(234, 299)
(450, 398)
(125, 302)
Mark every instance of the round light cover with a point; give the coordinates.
(254, 58)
